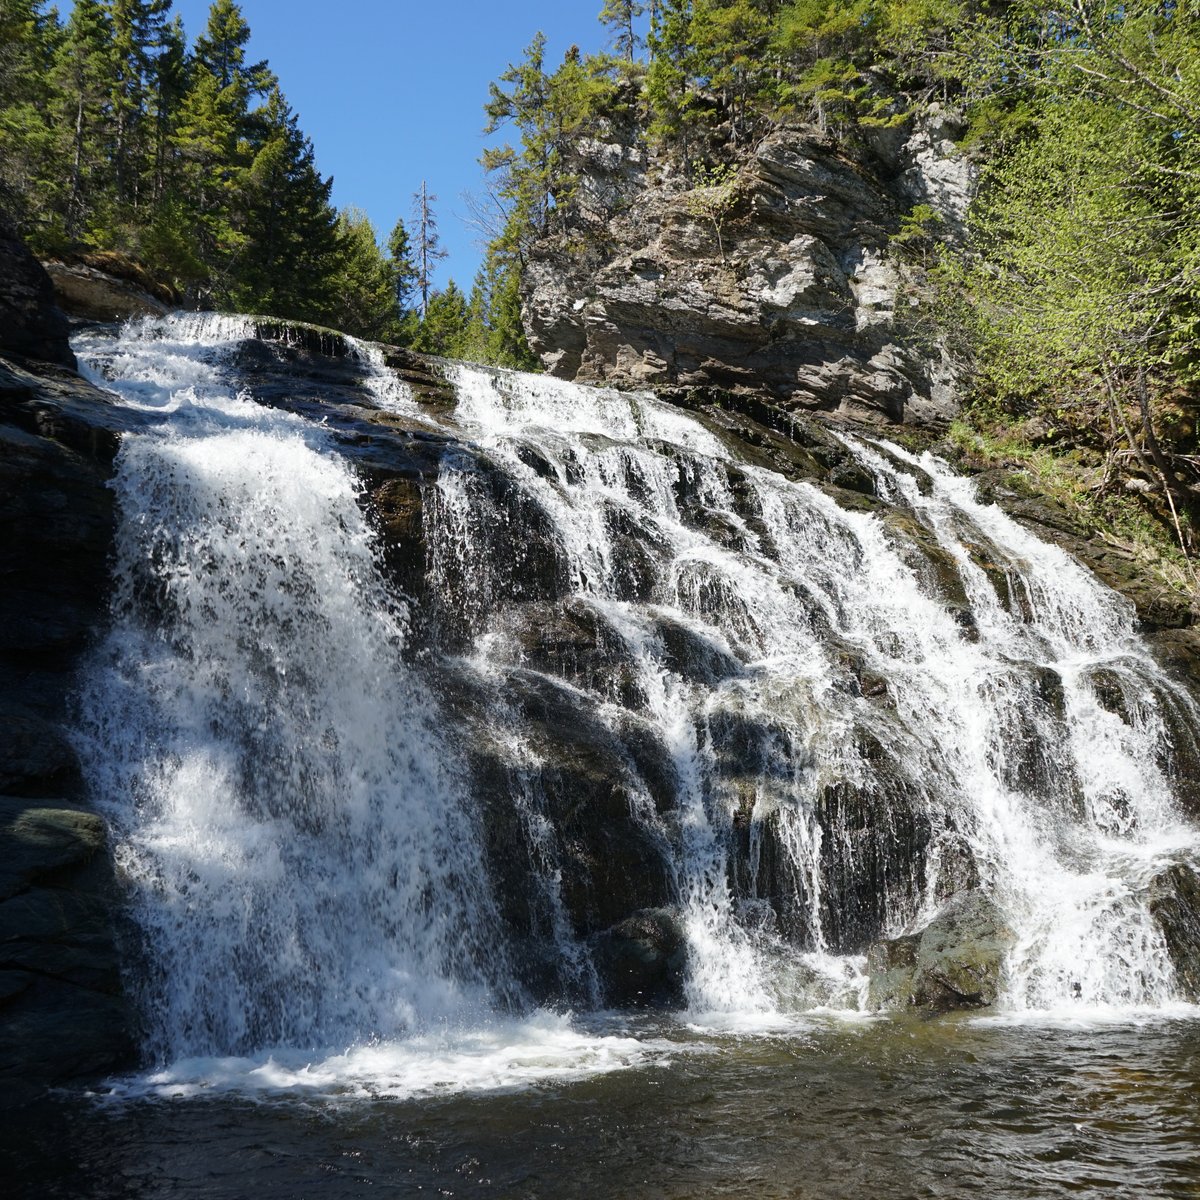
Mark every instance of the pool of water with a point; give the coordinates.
(953, 1107)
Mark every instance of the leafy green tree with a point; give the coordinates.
(1086, 284)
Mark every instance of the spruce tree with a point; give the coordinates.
(289, 227)
(427, 248)
(363, 283)
(82, 71)
(404, 269)
(30, 178)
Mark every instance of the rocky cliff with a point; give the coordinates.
(772, 281)
(62, 1012)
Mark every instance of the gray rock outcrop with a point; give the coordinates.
(776, 282)
(95, 295)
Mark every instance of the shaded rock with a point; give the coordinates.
(31, 324)
(956, 961)
(62, 1012)
(35, 758)
(95, 295)
(1175, 903)
(642, 960)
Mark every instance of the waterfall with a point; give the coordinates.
(647, 675)
(748, 612)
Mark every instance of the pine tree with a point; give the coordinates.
(29, 178)
(620, 15)
(289, 227)
(137, 31)
(221, 50)
(443, 327)
(213, 162)
(363, 283)
(404, 269)
(81, 74)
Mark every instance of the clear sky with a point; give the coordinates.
(392, 91)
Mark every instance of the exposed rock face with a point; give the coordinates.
(1175, 902)
(95, 295)
(956, 961)
(31, 326)
(778, 285)
(61, 1008)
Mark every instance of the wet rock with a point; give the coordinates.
(641, 961)
(1175, 903)
(877, 836)
(62, 1013)
(956, 961)
(31, 324)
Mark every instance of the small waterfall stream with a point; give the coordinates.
(354, 837)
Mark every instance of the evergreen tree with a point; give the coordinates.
(29, 178)
(80, 76)
(443, 328)
(221, 50)
(404, 270)
(620, 16)
(289, 228)
(427, 249)
(363, 282)
(137, 33)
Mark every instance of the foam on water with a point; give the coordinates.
(542, 1049)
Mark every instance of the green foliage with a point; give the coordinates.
(114, 137)
(443, 328)
(713, 198)
(362, 297)
(621, 16)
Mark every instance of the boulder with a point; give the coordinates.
(107, 285)
(62, 1010)
(1175, 903)
(956, 961)
(641, 960)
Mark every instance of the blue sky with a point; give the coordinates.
(392, 91)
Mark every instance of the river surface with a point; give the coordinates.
(888, 1108)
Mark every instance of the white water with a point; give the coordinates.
(302, 850)
(1068, 814)
(302, 836)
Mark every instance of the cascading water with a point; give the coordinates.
(304, 861)
(648, 677)
(991, 762)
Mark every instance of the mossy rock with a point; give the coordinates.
(955, 962)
